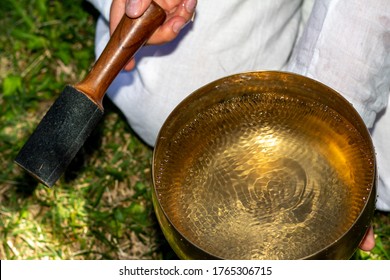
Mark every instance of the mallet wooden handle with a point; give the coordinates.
(129, 36)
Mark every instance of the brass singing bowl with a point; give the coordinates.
(264, 165)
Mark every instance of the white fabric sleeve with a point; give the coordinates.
(346, 45)
(381, 136)
(225, 38)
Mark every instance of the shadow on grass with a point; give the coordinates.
(166, 250)
(26, 185)
(92, 145)
(94, 142)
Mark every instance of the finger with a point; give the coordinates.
(167, 32)
(130, 65)
(116, 13)
(190, 6)
(176, 20)
(135, 8)
(186, 9)
(368, 242)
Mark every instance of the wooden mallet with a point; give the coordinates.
(76, 112)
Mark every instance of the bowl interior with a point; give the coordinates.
(263, 167)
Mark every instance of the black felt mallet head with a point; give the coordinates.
(76, 112)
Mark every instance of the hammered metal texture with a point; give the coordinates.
(263, 172)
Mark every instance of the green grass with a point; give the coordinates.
(101, 208)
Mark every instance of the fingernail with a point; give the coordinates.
(133, 8)
(177, 26)
(190, 6)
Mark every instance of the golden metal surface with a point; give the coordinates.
(264, 165)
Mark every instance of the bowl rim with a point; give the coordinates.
(244, 75)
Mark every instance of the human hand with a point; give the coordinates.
(368, 242)
(179, 12)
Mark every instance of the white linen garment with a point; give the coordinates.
(346, 45)
(343, 43)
